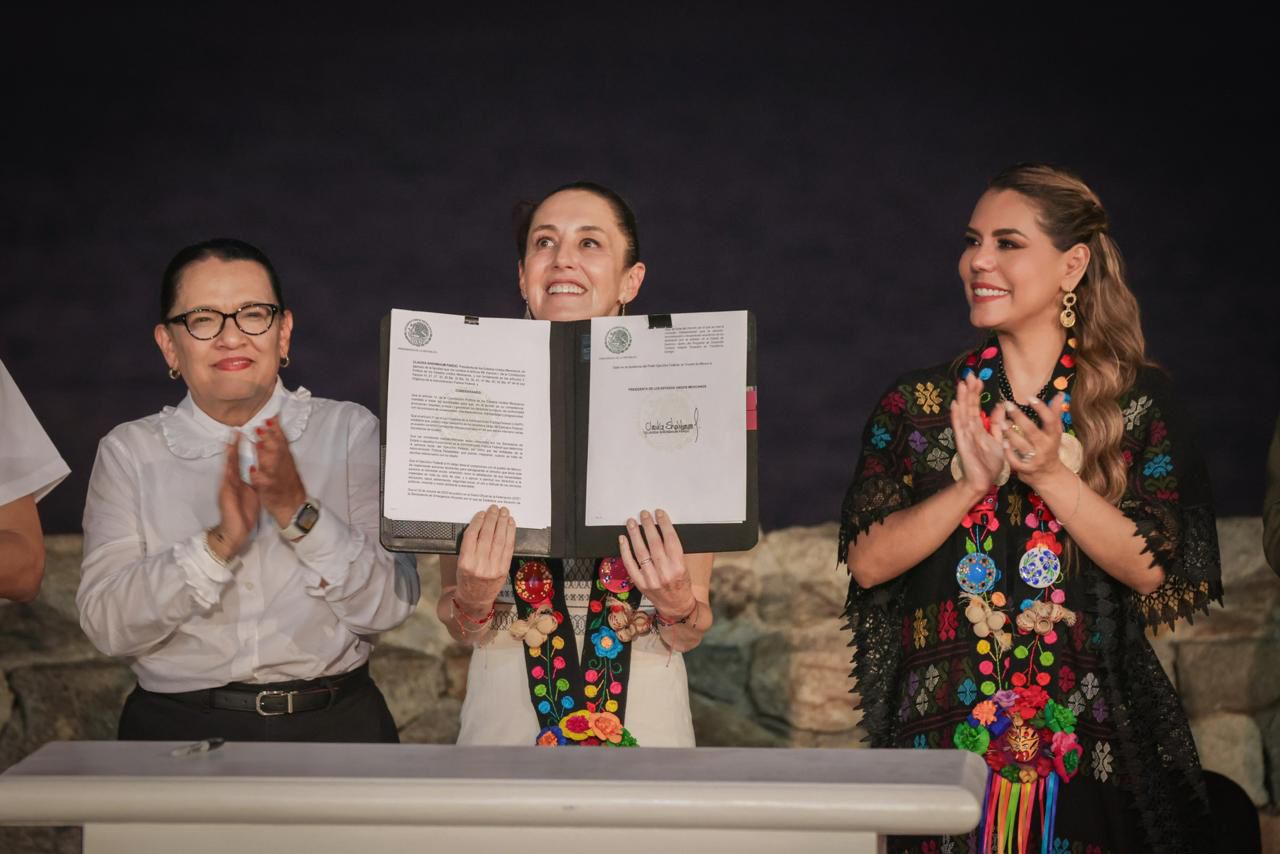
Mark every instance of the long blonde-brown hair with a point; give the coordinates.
(1109, 343)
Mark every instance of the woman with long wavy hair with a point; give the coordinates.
(1017, 518)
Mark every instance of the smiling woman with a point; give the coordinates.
(1016, 519)
(567, 651)
(231, 548)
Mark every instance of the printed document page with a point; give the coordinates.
(468, 418)
(668, 419)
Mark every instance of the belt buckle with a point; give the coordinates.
(257, 702)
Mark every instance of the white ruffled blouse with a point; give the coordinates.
(151, 593)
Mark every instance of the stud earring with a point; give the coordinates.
(1068, 316)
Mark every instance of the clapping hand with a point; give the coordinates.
(1032, 451)
(238, 505)
(275, 476)
(981, 454)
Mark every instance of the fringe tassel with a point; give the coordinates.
(1028, 805)
(1051, 808)
(1011, 819)
(1002, 814)
(989, 810)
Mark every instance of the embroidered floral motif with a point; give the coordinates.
(894, 402)
(917, 441)
(948, 620)
(938, 459)
(921, 633)
(928, 398)
(947, 438)
(879, 436)
(1102, 761)
(1134, 411)
(1158, 466)
(1089, 684)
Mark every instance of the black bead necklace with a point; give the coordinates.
(1006, 392)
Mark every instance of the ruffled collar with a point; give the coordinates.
(192, 434)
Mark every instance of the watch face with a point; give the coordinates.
(307, 516)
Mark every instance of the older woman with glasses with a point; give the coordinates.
(231, 546)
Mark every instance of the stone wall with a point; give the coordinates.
(773, 671)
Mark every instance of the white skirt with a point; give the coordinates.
(497, 709)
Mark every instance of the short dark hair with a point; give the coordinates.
(625, 217)
(222, 248)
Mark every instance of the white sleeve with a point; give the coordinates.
(368, 588)
(29, 463)
(131, 601)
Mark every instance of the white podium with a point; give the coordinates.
(134, 797)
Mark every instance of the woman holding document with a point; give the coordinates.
(577, 652)
(1018, 517)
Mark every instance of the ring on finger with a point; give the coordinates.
(646, 560)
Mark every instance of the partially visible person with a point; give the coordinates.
(1271, 504)
(231, 542)
(30, 467)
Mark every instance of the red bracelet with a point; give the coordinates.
(669, 622)
(462, 616)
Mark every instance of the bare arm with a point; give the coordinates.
(910, 535)
(21, 550)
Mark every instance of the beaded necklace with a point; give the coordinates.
(1027, 740)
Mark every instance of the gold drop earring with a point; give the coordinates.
(1068, 316)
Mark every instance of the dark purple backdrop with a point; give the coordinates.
(817, 167)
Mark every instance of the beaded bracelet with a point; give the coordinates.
(669, 622)
(463, 619)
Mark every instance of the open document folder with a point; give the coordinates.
(574, 426)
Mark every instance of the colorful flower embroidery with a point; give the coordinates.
(606, 643)
(917, 441)
(880, 436)
(894, 402)
(1089, 684)
(967, 692)
(921, 633)
(938, 459)
(947, 438)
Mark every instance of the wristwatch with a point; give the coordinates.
(303, 521)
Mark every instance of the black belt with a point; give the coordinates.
(277, 698)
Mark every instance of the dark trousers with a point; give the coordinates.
(359, 714)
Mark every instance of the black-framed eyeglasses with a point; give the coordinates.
(205, 324)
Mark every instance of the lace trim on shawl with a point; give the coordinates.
(1157, 760)
(1184, 543)
(867, 504)
(875, 618)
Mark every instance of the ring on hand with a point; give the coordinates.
(1025, 456)
(646, 560)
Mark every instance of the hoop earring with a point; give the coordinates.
(284, 361)
(1068, 317)
(174, 373)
